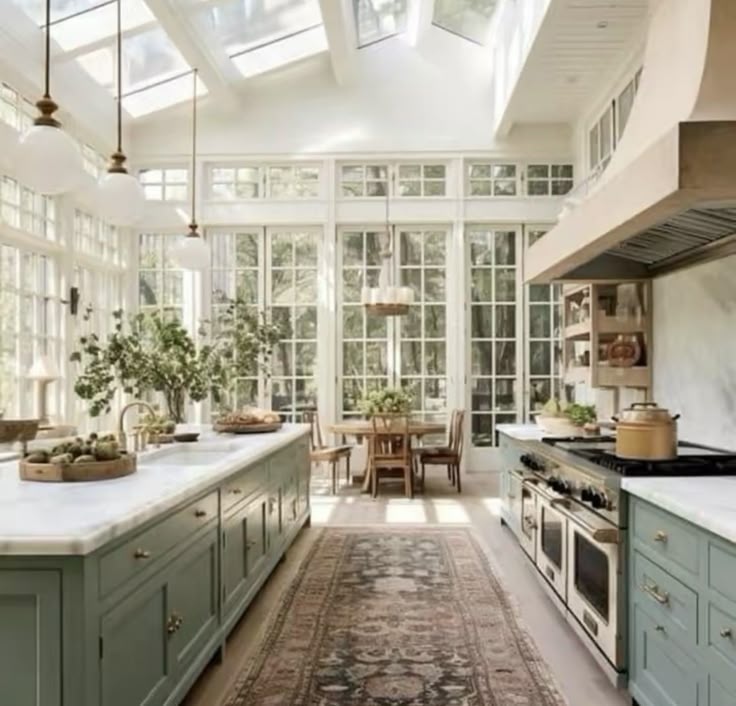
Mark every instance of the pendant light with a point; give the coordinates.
(193, 253)
(387, 299)
(121, 197)
(48, 160)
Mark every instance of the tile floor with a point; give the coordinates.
(578, 675)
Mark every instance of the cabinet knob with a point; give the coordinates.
(200, 513)
(659, 628)
(173, 623)
(236, 491)
(250, 545)
(142, 554)
(660, 536)
(726, 633)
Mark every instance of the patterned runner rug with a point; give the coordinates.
(400, 617)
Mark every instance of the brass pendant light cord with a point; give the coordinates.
(193, 225)
(120, 77)
(47, 65)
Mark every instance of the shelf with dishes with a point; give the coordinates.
(607, 334)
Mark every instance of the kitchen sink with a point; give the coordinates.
(185, 455)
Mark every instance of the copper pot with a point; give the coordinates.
(646, 432)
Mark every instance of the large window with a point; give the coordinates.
(96, 238)
(24, 209)
(159, 280)
(494, 375)
(15, 110)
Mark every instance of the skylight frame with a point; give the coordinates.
(402, 24)
(464, 9)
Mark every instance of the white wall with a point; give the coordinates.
(695, 350)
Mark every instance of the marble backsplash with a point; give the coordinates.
(695, 350)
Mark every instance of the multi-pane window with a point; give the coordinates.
(422, 364)
(96, 238)
(93, 162)
(15, 110)
(365, 338)
(357, 180)
(292, 182)
(601, 141)
(543, 335)
(236, 182)
(30, 316)
(159, 279)
(22, 208)
(379, 19)
(548, 179)
(422, 180)
(625, 102)
(293, 304)
(168, 184)
(492, 179)
(494, 375)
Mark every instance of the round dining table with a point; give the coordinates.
(362, 430)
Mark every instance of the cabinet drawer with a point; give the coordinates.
(718, 696)
(244, 485)
(721, 642)
(722, 570)
(666, 536)
(672, 605)
(146, 548)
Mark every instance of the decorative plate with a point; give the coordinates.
(624, 352)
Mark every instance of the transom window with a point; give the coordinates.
(493, 179)
(548, 179)
(15, 110)
(159, 279)
(270, 181)
(24, 209)
(235, 182)
(421, 180)
(358, 180)
(169, 184)
(292, 182)
(96, 238)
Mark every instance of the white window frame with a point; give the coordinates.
(166, 183)
(295, 182)
(550, 178)
(422, 179)
(495, 176)
(364, 181)
(235, 182)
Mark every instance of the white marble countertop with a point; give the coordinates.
(706, 501)
(522, 432)
(77, 518)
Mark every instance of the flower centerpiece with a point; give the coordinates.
(387, 400)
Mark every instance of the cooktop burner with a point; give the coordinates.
(693, 460)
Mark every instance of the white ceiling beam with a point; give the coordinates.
(339, 21)
(419, 20)
(215, 67)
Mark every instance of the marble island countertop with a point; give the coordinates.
(77, 518)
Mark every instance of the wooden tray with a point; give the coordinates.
(247, 428)
(78, 472)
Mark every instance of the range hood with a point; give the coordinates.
(668, 197)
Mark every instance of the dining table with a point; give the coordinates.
(362, 429)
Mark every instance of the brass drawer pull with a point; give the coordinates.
(174, 623)
(200, 513)
(653, 591)
(659, 628)
(726, 633)
(142, 554)
(236, 491)
(250, 545)
(530, 522)
(660, 536)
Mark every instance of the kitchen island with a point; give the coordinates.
(118, 593)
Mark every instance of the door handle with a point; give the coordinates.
(662, 597)
(200, 513)
(142, 554)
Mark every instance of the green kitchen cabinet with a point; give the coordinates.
(30, 638)
(682, 611)
(134, 622)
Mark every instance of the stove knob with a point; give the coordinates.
(525, 460)
(598, 501)
(586, 495)
(564, 487)
(552, 482)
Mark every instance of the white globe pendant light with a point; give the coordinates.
(48, 160)
(193, 253)
(121, 197)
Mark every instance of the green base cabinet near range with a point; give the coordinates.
(682, 612)
(135, 622)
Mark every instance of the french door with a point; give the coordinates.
(276, 271)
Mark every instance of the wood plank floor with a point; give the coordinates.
(579, 677)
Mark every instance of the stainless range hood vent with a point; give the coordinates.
(668, 197)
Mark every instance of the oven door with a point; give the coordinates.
(594, 555)
(552, 544)
(526, 506)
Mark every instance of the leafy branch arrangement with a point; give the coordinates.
(146, 353)
(388, 400)
(578, 414)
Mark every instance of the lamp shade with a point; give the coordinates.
(192, 253)
(44, 368)
(121, 199)
(48, 160)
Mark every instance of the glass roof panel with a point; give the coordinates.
(167, 94)
(279, 53)
(241, 25)
(470, 19)
(379, 19)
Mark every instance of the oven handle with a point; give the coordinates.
(602, 535)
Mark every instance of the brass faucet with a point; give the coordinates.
(122, 437)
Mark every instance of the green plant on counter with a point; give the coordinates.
(578, 414)
(387, 400)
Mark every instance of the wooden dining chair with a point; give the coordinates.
(321, 453)
(390, 450)
(450, 455)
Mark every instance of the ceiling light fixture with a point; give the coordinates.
(193, 253)
(122, 200)
(387, 299)
(49, 161)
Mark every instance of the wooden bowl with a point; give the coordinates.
(78, 472)
(247, 428)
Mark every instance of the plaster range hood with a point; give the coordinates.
(668, 197)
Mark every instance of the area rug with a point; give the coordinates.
(400, 617)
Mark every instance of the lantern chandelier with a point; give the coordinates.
(387, 299)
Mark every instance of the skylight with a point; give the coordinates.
(470, 19)
(379, 19)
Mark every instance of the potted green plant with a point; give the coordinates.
(387, 400)
(565, 418)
